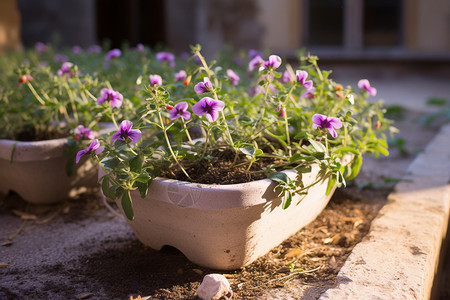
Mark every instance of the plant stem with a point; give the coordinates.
(168, 141)
(206, 143)
(186, 130)
(263, 109)
(30, 86)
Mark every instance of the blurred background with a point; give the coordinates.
(369, 38)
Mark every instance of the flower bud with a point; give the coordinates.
(169, 107)
(187, 81)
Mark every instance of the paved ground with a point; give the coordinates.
(41, 249)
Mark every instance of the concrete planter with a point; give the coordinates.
(222, 227)
(37, 171)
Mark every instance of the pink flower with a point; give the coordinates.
(94, 146)
(126, 132)
(209, 107)
(301, 76)
(81, 132)
(286, 77)
(40, 47)
(180, 75)
(115, 98)
(114, 53)
(256, 62)
(329, 123)
(203, 87)
(309, 93)
(66, 69)
(166, 56)
(180, 110)
(364, 84)
(76, 49)
(273, 62)
(233, 77)
(155, 79)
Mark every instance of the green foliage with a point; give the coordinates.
(264, 117)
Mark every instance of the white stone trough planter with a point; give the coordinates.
(37, 171)
(222, 227)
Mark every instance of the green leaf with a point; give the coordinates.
(110, 163)
(13, 150)
(295, 157)
(287, 199)
(107, 191)
(249, 150)
(279, 177)
(331, 184)
(127, 205)
(355, 167)
(136, 164)
(143, 188)
(347, 149)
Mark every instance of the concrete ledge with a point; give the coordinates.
(398, 259)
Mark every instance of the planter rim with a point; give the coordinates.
(205, 196)
(39, 150)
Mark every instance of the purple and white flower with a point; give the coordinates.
(233, 77)
(301, 76)
(203, 87)
(155, 79)
(77, 49)
(181, 75)
(94, 49)
(329, 123)
(309, 93)
(114, 53)
(166, 56)
(256, 62)
(209, 107)
(364, 84)
(126, 132)
(81, 132)
(40, 47)
(286, 77)
(94, 146)
(273, 62)
(66, 69)
(180, 110)
(115, 98)
(60, 58)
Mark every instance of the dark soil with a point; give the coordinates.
(115, 268)
(32, 134)
(220, 169)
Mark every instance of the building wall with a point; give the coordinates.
(9, 26)
(427, 26)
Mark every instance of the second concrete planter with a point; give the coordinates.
(222, 227)
(37, 171)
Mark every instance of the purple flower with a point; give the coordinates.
(81, 132)
(364, 84)
(166, 56)
(94, 49)
(209, 107)
(140, 47)
(233, 77)
(155, 79)
(66, 69)
(256, 90)
(256, 62)
(301, 76)
(180, 110)
(252, 53)
(273, 62)
(180, 75)
(94, 146)
(40, 47)
(115, 98)
(203, 87)
(286, 77)
(114, 53)
(330, 123)
(60, 58)
(125, 132)
(76, 49)
(309, 93)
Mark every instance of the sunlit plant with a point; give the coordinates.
(265, 116)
